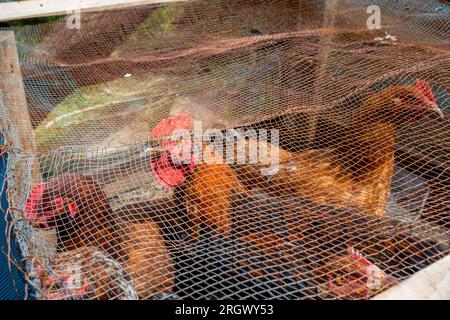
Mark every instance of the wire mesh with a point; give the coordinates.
(358, 202)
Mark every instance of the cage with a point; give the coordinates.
(351, 95)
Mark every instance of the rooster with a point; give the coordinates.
(84, 273)
(208, 188)
(358, 171)
(79, 211)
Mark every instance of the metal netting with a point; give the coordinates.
(357, 201)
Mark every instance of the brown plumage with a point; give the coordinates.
(77, 207)
(208, 196)
(358, 172)
(84, 273)
(280, 236)
(207, 186)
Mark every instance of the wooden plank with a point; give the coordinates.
(127, 182)
(45, 8)
(431, 283)
(12, 96)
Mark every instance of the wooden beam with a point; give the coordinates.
(127, 182)
(12, 98)
(13, 94)
(431, 283)
(45, 8)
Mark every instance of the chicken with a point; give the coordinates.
(84, 273)
(353, 276)
(208, 186)
(358, 171)
(79, 211)
(296, 243)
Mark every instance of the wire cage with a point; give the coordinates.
(356, 114)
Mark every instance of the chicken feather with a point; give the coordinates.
(358, 171)
(139, 248)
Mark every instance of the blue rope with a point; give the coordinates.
(12, 284)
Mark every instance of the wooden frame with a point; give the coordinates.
(430, 283)
(45, 8)
(12, 94)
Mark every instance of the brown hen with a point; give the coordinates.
(358, 171)
(77, 207)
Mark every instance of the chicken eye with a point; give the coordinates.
(397, 101)
(181, 140)
(360, 290)
(340, 280)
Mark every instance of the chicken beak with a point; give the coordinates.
(152, 150)
(437, 111)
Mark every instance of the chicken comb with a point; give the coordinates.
(33, 201)
(357, 256)
(165, 174)
(166, 126)
(426, 90)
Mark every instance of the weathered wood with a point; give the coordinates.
(13, 98)
(127, 172)
(127, 182)
(431, 283)
(44, 8)
(13, 94)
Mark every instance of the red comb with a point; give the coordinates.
(425, 88)
(34, 200)
(167, 175)
(168, 125)
(357, 256)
